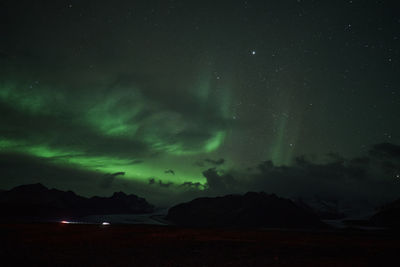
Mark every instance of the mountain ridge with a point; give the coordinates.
(36, 200)
(249, 210)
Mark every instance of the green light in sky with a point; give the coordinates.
(21, 97)
(142, 172)
(215, 142)
(124, 114)
(283, 146)
(113, 117)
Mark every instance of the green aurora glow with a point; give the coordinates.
(125, 116)
(164, 91)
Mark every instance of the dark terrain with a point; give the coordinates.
(36, 202)
(249, 210)
(129, 245)
(255, 229)
(388, 215)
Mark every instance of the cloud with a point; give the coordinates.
(215, 162)
(367, 179)
(196, 185)
(170, 171)
(160, 183)
(109, 179)
(199, 164)
(385, 151)
(209, 162)
(219, 182)
(118, 174)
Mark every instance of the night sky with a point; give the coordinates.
(176, 99)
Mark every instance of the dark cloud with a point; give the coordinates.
(170, 171)
(219, 182)
(196, 185)
(210, 162)
(360, 161)
(160, 183)
(199, 164)
(137, 161)
(153, 181)
(386, 151)
(215, 162)
(118, 174)
(109, 179)
(365, 179)
(358, 180)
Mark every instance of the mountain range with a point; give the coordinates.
(249, 210)
(37, 201)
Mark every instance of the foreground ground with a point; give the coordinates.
(137, 245)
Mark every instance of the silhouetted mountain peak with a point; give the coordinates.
(119, 195)
(38, 187)
(39, 201)
(259, 195)
(249, 210)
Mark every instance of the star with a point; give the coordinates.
(253, 52)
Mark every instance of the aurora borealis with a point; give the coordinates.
(150, 97)
(115, 130)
